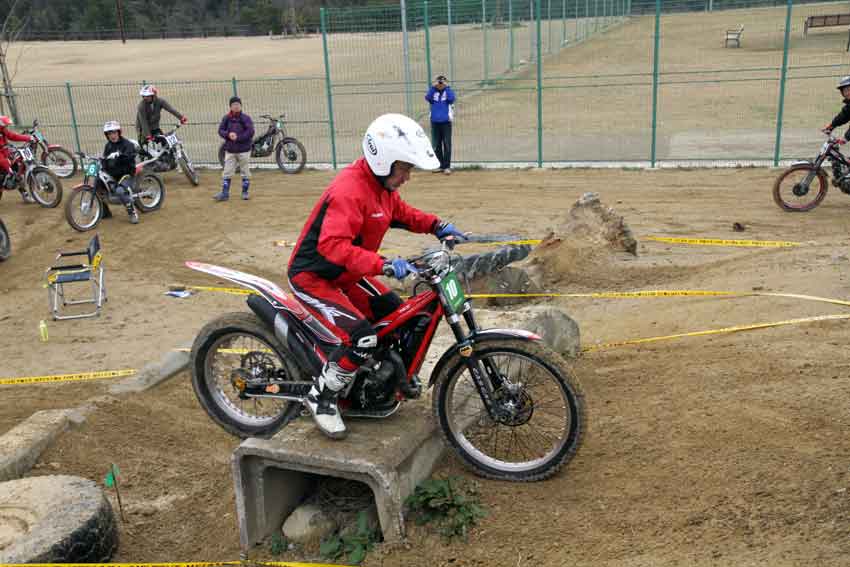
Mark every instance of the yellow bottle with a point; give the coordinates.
(42, 328)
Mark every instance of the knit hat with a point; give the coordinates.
(235, 99)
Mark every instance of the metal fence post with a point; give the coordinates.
(656, 45)
(235, 91)
(484, 38)
(451, 41)
(540, 89)
(328, 86)
(783, 76)
(510, 35)
(563, 22)
(425, 17)
(586, 21)
(530, 30)
(73, 116)
(405, 48)
(549, 22)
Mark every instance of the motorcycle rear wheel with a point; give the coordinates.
(545, 411)
(61, 162)
(83, 209)
(5, 243)
(239, 341)
(793, 193)
(45, 187)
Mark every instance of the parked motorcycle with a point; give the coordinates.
(89, 202)
(31, 179)
(58, 159)
(5, 242)
(169, 154)
(505, 402)
(289, 152)
(794, 190)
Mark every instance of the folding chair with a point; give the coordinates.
(92, 272)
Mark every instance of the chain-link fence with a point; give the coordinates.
(620, 81)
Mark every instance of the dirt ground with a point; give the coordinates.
(725, 450)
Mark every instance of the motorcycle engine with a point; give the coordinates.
(841, 177)
(377, 388)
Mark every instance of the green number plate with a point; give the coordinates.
(453, 292)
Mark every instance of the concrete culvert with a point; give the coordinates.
(55, 519)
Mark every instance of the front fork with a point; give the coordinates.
(485, 376)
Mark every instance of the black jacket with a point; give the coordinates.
(842, 117)
(122, 164)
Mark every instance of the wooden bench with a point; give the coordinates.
(734, 35)
(825, 21)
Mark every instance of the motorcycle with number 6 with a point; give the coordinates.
(89, 202)
(505, 402)
(803, 186)
(166, 153)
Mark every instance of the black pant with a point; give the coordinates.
(441, 137)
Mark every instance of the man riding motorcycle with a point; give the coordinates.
(334, 262)
(150, 111)
(119, 160)
(6, 134)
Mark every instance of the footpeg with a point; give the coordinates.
(412, 389)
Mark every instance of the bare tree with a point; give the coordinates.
(9, 34)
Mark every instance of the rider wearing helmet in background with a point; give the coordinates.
(149, 113)
(842, 117)
(119, 161)
(334, 262)
(6, 134)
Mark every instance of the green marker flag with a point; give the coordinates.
(111, 476)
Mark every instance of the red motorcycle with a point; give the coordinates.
(31, 179)
(505, 402)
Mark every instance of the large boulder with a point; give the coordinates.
(559, 331)
(308, 524)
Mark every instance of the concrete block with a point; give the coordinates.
(22, 445)
(154, 373)
(391, 456)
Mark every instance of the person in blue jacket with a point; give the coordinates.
(441, 97)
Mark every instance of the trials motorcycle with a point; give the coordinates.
(167, 153)
(505, 402)
(803, 186)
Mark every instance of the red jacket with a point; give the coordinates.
(6, 135)
(340, 240)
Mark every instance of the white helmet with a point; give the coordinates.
(395, 137)
(148, 90)
(112, 126)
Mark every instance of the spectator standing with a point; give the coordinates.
(441, 97)
(237, 129)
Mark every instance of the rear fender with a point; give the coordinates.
(480, 338)
(53, 147)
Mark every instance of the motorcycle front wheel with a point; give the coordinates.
(800, 188)
(238, 345)
(60, 161)
(83, 209)
(150, 192)
(290, 155)
(45, 187)
(538, 416)
(188, 169)
(5, 243)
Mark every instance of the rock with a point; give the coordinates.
(590, 220)
(559, 331)
(307, 524)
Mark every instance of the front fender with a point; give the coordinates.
(483, 336)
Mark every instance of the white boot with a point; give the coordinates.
(321, 401)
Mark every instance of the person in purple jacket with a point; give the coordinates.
(237, 129)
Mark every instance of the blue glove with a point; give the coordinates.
(445, 229)
(399, 268)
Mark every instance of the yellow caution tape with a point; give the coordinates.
(227, 351)
(178, 564)
(531, 242)
(231, 290)
(721, 242)
(69, 377)
(724, 330)
(617, 294)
